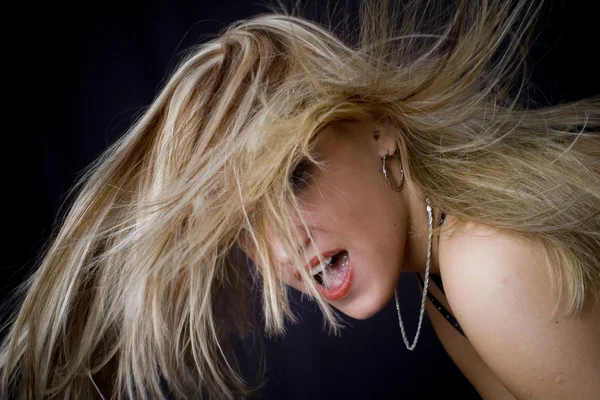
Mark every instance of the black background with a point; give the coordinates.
(83, 71)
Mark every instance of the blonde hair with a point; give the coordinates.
(145, 281)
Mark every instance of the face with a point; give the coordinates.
(351, 211)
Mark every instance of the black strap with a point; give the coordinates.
(437, 280)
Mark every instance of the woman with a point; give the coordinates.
(333, 168)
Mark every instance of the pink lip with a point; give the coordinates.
(315, 261)
(341, 291)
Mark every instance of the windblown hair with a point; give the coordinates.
(145, 284)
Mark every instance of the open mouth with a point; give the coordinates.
(334, 275)
(326, 273)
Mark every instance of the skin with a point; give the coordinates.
(496, 285)
(500, 292)
(350, 206)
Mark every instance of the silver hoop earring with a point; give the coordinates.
(396, 188)
(412, 346)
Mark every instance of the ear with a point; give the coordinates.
(384, 140)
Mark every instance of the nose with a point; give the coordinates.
(301, 243)
(284, 264)
(279, 252)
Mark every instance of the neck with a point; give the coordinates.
(415, 255)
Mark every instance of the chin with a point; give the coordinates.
(362, 309)
(362, 314)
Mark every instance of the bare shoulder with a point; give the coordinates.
(499, 289)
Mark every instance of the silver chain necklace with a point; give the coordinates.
(425, 286)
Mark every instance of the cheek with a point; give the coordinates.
(376, 219)
(367, 204)
(348, 200)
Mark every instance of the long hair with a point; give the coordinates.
(145, 285)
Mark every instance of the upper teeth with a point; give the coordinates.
(322, 266)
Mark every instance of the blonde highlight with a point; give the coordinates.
(145, 282)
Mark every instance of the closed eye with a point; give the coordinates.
(301, 174)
